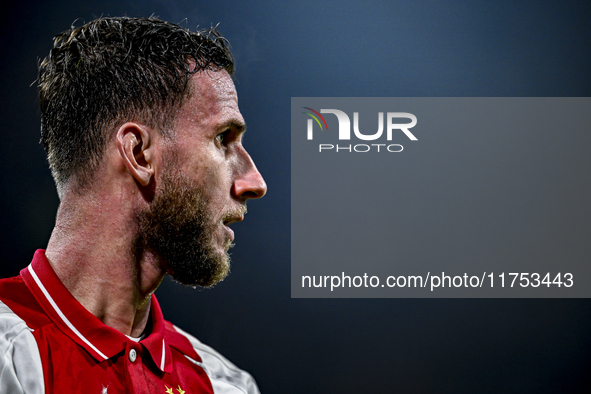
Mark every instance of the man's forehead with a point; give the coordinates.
(211, 94)
(212, 100)
(213, 85)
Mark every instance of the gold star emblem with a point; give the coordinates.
(180, 390)
(169, 390)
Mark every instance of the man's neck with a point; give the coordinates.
(91, 251)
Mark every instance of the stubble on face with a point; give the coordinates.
(179, 229)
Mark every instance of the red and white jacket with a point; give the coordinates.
(49, 343)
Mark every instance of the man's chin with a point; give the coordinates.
(178, 227)
(203, 273)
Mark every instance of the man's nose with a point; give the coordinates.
(250, 184)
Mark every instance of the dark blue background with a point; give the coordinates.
(331, 48)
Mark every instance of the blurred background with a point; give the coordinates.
(331, 48)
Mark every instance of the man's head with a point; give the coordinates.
(153, 107)
(203, 186)
(114, 70)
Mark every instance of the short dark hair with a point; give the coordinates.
(112, 70)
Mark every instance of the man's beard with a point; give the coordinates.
(179, 229)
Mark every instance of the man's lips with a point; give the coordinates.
(232, 218)
(230, 233)
(234, 215)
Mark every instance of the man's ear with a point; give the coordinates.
(135, 145)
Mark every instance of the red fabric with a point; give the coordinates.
(86, 356)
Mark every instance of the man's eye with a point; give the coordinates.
(222, 136)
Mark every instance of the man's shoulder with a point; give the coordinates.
(18, 299)
(12, 327)
(20, 362)
(224, 375)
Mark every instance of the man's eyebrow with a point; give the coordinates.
(236, 124)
